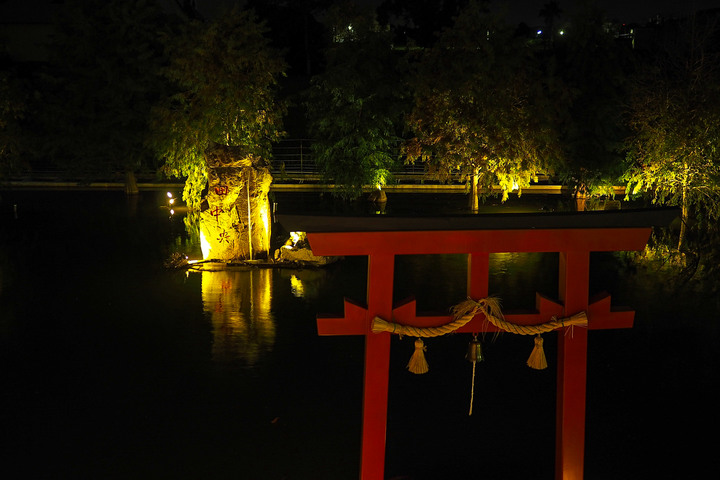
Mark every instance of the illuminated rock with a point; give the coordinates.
(301, 255)
(237, 209)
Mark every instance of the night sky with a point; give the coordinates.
(626, 11)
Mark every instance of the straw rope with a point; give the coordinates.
(465, 311)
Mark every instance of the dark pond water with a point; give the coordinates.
(114, 367)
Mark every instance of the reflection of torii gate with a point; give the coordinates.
(573, 235)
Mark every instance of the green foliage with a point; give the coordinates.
(224, 76)
(479, 106)
(675, 119)
(101, 84)
(356, 106)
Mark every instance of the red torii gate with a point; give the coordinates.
(573, 235)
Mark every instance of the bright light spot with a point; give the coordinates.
(296, 287)
(265, 217)
(562, 32)
(171, 201)
(172, 212)
(539, 32)
(515, 186)
(295, 236)
(169, 195)
(204, 246)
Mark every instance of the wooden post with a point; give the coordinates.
(377, 367)
(478, 272)
(572, 368)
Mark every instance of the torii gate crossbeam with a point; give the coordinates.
(573, 236)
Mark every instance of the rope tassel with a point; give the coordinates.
(417, 363)
(537, 358)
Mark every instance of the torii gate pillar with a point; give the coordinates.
(572, 368)
(574, 236)
(377, 359)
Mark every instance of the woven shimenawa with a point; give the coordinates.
(490, 307)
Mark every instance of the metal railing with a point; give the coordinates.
(293, 158)
(292, 163)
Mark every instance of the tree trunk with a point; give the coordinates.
(474, 202)
(683, 218)
(131, 187)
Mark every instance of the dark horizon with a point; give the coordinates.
(517, 11)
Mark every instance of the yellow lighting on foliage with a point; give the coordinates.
(295, 236)
(204, 246)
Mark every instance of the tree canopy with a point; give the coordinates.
(675, 116)
(479, 108)
(224, 76)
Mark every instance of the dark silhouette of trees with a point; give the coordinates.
(550, 12)
(13, 107)
(417, 23)
(589, 71)
(101, 83)
(295, 30)
(356, 106)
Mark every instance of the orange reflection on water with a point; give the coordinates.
(239, 305)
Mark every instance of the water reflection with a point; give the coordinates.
(239, 306)
(439, 281)
(306, 283)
